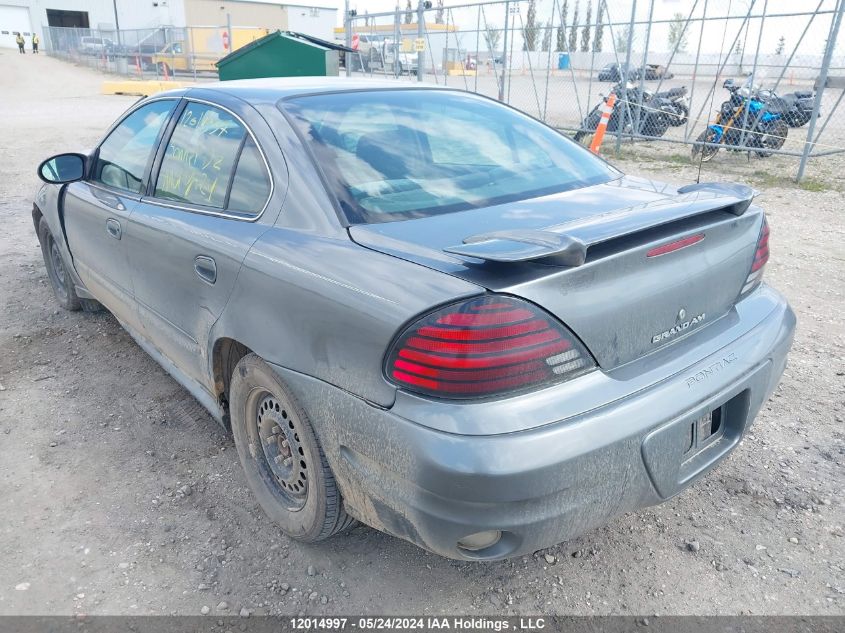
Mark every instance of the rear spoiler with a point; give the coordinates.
(567, 244)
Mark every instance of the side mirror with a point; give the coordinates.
(62, 168)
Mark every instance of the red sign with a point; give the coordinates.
(225, 40)
(355, 42)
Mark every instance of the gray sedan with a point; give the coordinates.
(419, 308)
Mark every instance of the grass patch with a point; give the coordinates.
(810, 184)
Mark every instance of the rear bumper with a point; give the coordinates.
(548, 484)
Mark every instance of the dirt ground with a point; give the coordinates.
(120, 495)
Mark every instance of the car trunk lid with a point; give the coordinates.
(594, 257)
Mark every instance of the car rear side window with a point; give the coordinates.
(200, 157)
(251, 184)
(123, 157)
(398, 154)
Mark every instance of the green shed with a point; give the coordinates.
(281, 54)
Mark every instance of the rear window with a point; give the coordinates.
(398, 154)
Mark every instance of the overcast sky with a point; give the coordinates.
(620, 11)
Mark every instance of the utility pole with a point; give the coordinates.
(116, 21)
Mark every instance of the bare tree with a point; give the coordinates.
(492, 35)
(573, 29)
(439, 16)
(781, 45)
(585, 32)
(547, 36)
(677, 33)
(529, 30)
(561, 30)
(622, 38)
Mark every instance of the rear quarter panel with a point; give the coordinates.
(311, 300)
(328, 308)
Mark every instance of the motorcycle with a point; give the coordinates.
(679, 99)
(746, 122)
(797, 107)
(652, 119)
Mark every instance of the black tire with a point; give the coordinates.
(57, 272)
(583, 138)
(773, 137)
(703, 152)
(271, 429)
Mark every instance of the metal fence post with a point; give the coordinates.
(504, 54)
(627, 65)
(347, 30)
(477, 42)
(744, 135)
(822, 80)
(420, 33)
(639, 114)
(397, 41)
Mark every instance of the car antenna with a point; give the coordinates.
(713, 94)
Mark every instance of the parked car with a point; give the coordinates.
(95, 45)
(420, 308)
(656, 71)
(617, 71)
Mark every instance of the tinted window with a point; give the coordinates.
(126, 152)
(397, 154)
(251, 185)
(200, 157)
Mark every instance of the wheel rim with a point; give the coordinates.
(282, 457)
(57, 268)
(707, 152)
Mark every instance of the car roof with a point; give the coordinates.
(271, 90)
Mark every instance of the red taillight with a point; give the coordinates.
(761, 256)
(485, 346)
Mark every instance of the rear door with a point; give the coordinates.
(97, 210)
(206, 206)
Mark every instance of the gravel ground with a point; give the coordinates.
(120, 495)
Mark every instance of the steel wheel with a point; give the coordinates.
(281, 455)
(284, 456)
(704, 152)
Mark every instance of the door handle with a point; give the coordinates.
(108, 199)
(113, 228)
(206, 268)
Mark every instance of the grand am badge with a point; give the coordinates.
(679, 328)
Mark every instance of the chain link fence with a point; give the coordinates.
(725, 75)
(162, 53)
(714, 76)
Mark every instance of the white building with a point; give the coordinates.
(28, 16)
